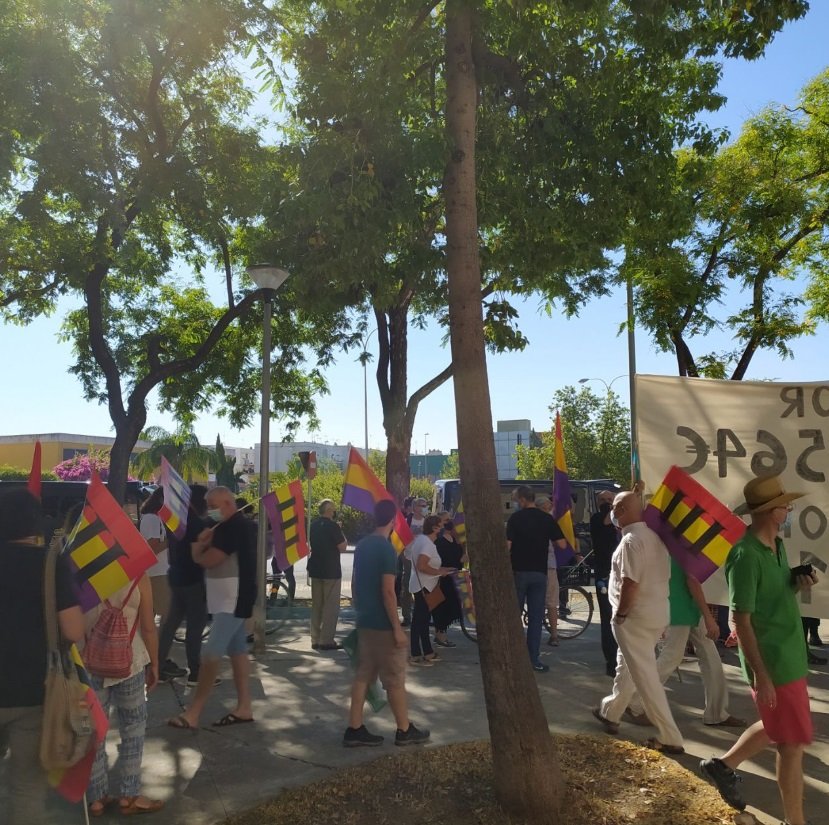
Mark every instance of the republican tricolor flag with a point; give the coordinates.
(562, 500)
(71, 783)
(173, 512)
(362, 490)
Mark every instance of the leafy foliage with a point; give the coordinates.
(596, 435)
(181, 448)
(81, 466)
(8, 472)
(746, 222)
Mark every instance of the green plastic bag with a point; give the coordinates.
(375, 695)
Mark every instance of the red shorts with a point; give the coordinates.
(789, 722)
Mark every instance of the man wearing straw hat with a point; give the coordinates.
(762, 593)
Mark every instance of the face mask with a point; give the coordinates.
(787, 522)
(215, 515)
(605, 507)
(615, 522)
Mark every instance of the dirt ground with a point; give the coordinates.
(609, 782)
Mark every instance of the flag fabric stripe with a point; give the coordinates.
(698, 530)
(562, 500)
(35, 484)
(362, 490)
(462, 580)
(459, 521)
(173, 512)
(104, 549)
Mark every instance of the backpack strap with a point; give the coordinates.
(123, 603)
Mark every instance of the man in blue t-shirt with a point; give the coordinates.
(381, 645)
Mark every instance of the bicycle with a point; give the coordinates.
(575, 610)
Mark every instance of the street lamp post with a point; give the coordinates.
(607, 399)
(425, 456)
(364, 356)
(268, 278)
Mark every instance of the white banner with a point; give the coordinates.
(723, 433)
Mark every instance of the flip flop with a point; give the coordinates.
(100, 806)
(180, 723)
(231, 719)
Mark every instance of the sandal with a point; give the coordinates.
(99, 806)
(133, 806)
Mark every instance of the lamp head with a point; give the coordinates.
(267, 276)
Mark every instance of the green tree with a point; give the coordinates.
(129, 164)
(596, 436)
(182, 449)
(226, 474)
(743, 223)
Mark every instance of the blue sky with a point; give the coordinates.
(41, 396)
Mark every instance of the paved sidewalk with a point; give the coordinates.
(300, 703)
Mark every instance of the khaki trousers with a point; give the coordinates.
(636, 671)
(710, 668)
(325, 609)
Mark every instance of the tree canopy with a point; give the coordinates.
(745, 223)
(596, 435)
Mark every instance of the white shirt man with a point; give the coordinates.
(638, 592)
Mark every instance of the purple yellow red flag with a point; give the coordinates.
(562, 500)
(71, 783)
(459, 520)
(362, 490)
(285, 507)
(35, 484)
(462, 580)
(698, 530)
(173, 512)
(105, 550)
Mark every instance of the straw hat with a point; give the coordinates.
(765, 493)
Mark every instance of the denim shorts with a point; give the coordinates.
(227, 637)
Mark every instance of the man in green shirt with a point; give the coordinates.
(762, 592)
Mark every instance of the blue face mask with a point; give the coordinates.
(787, 522)
(215, 515)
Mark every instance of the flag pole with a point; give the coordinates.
(634, 430)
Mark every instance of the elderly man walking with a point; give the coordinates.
(638, 591)
(762, 590)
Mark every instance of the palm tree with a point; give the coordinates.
(181, 449)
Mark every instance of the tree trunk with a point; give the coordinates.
(398, 472)
(526, 773)
(126, 435)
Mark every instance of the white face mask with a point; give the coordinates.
(215, 515)
(614, 521)
(787, 522)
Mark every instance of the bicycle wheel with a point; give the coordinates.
(278, 604)
(576, 618)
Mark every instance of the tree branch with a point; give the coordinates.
(383, 357)
(21, 294)
(427, 389)
(228, 272)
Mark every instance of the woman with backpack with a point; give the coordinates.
(121, 655)
(23, 647)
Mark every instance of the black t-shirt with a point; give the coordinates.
(531, 530)
(605, 539)
(450, 552)
(183, 570)
(23, 639)
(237, 536)
(324, 561)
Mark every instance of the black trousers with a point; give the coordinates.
(190, 603)
(419, 632)
(609, 646)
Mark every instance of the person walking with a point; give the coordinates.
(604, 538)
(691, 620)
(529, 534)
(638, 590)
(23, 650)
(543, 503)
(762, 591)
(187, 595)
(155, 533)
(452, 555)
(227, 552)
(381, 645)
(327, 543)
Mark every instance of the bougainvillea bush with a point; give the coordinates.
(80, 467)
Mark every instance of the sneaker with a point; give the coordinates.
(361, 738)
(432, 657)
(412, 736)
(725, 780)
(170, 670)
(540, 668)
(332, 646)
(444, 642)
